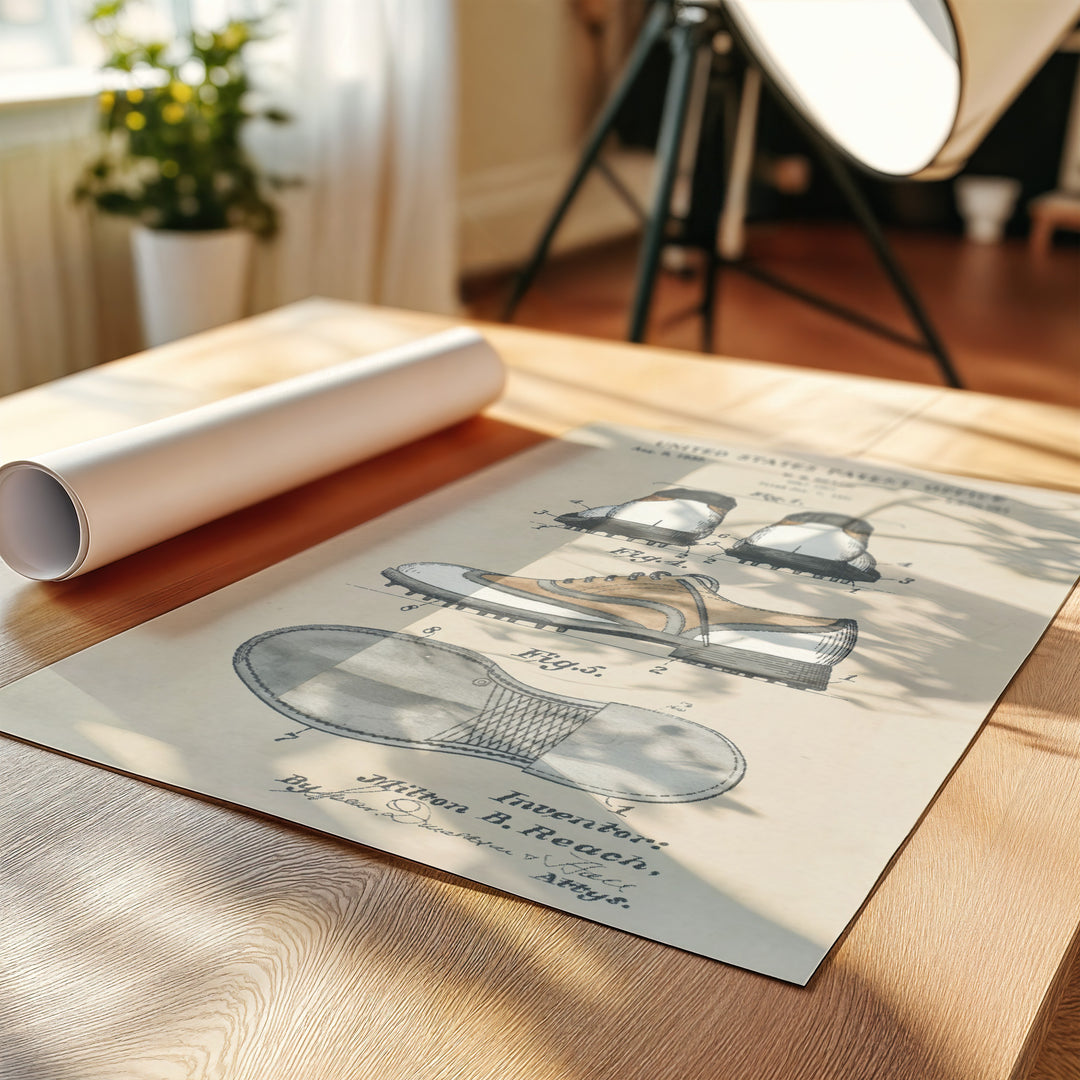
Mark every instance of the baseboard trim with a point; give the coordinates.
(503, 209)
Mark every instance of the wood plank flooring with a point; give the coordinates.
(1011, 320)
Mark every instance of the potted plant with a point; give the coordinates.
(171, 158)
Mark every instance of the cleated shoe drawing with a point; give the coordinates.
(420, 694)
(686, 612)
(832, 545)
(673, 516)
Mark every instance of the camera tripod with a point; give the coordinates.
(691, 27)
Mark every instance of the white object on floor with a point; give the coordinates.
(986, 203)
(189, 281)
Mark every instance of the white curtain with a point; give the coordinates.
(372, 85)
(47, 298)
(373, 146)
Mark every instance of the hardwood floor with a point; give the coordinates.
(1010, 320)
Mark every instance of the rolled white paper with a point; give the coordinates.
(69, 511)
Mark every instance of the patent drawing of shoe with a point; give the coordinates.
(672, 516)
(686, 612)
(412, 692)
(830, 545)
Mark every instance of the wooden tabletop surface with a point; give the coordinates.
(150, 934)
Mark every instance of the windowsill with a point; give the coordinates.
(48, 87)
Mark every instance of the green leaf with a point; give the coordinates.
(209, 182)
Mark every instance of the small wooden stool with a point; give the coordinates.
(1049, 212)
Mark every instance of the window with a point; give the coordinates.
(48, 51)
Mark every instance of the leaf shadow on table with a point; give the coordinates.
(956, 643)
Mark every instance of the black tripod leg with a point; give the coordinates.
(721, 147)
(652, 31)
(874, 234)
(709, 289)
(685, 38)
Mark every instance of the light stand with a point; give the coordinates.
(690, 26)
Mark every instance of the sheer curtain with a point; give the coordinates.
(373, 146)
(47, 300)
(372, 85)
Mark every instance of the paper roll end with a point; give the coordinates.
(42, 529)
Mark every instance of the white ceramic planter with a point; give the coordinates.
(986, 203)
(189, 281)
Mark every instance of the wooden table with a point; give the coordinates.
(149, 934)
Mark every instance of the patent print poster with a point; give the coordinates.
(695, 692)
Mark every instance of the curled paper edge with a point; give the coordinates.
(68, 511)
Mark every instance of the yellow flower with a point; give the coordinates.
(135, 121)
(172, 113)
(135, 96)
(169, 169)
(106, 100)
(180, 91)
(234, 36)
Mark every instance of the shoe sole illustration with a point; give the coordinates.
(800, 674)
(807, 564)
(411, 692)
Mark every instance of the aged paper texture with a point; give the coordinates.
(696, 692)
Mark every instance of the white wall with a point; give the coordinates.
(527, 91)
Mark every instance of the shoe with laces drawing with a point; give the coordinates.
(672, 516)
(686, 612)
(405, 691)
(830, 545)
